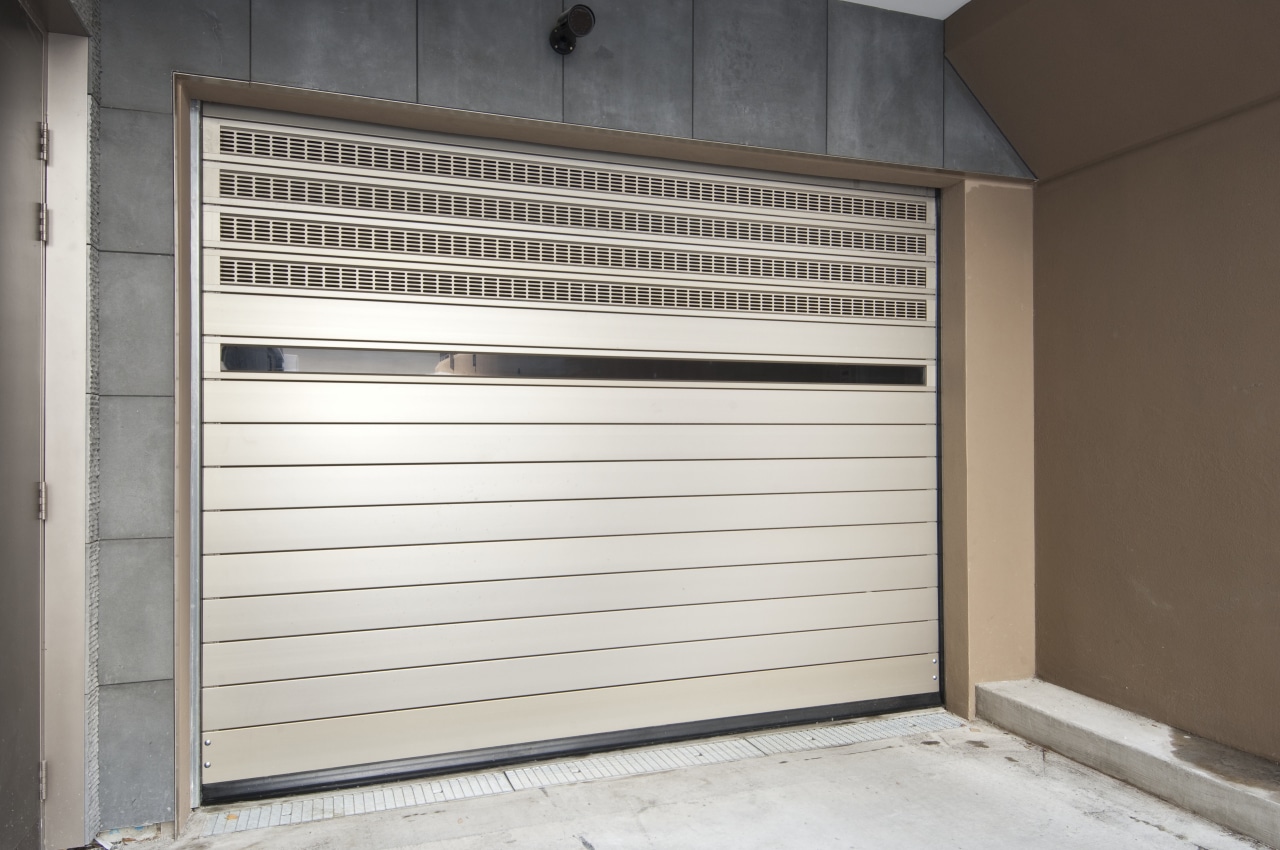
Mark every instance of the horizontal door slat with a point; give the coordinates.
(269, 316)
(369, 738)
(444, 401)
(403, 525)
(625, 181)
(239, 662)
(358, 239)
(251, 617)
(300, 226)
(289, 701)
(398, 566)
(506, 206)
(405, 484)
(266, 272)
(280, 445)
(854, 275)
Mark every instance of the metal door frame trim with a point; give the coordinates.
(65, 732)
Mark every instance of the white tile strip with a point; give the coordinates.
(624, 763)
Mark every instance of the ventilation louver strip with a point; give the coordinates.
(241, 272)
(425, 202)
(384, 157)
(238, 228)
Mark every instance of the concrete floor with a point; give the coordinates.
(972, 787)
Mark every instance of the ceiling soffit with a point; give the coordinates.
(1072, 82)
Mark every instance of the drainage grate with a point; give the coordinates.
(843, 735)
(399, 240)
(630, 764)
(242, 272)
(624, 763)
(446, 163)
(328, 193)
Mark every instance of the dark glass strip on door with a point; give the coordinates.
(360, 361)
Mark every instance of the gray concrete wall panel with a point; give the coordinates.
(136, 477)
(136, 182)
(884, 85)
(135, 589)
(136, 752)
(972, 141)
(760, 73)
(635, 70)
(337, 45)
(490, 56)
(145, 41)
(135, 324)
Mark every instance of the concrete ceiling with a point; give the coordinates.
(940, 9)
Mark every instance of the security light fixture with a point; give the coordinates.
(570, 26)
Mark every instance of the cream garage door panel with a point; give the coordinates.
(448, 401)
(348, 240)
(413, 198)
(251, 140)
(896, 295)
(234, 444)
(308, 656)
(239, 315)
(685, 469)
(309, 486)
(308, 571)
(292, 700)
(251, 617)
(403, 525)
(318, 744)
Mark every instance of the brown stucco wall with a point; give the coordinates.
(1157, 396)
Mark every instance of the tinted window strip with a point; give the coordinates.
(354, 361)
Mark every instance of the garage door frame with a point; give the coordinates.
(987, 226)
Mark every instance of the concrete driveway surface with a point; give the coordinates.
(968, 787)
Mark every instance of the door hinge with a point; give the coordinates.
(42, 222)
(44, 779)
(42, 500)
(44, 141)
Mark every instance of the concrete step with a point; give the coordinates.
(1235, 789)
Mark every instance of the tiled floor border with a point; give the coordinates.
(622, 763)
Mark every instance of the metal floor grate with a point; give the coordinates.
(623, 763)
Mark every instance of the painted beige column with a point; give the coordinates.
(66, 447)
(988, 461)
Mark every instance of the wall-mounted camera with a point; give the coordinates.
(576, 22)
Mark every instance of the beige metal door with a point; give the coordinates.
(507, 450)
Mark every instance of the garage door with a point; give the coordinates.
(512, 450)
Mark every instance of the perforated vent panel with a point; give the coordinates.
(416, 282)
(337, 236)
(497, 168)
(355, 196)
